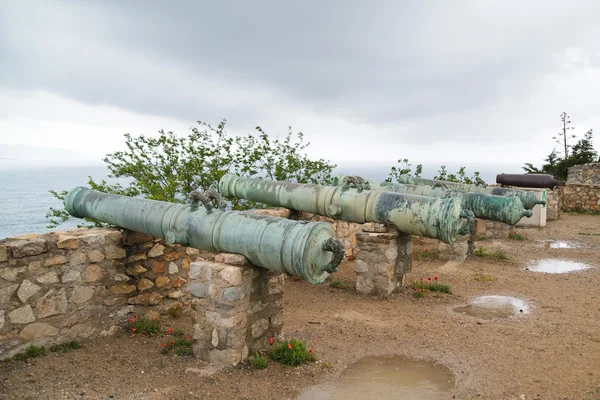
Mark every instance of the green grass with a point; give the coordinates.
(31, 352)
(334, 283)
(146, 325)
(479, 277)
(259, 361)
(292, 352)
(515, 236)
(432, 287)
(179, 346)
(589, 234)
(498, 254)
(581, 210)
(64, 347)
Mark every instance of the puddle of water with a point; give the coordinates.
(490, 307)
(559, 244)
(385, 379)
(551, 266)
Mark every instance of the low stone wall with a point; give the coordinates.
(580, 197)
(345, 231)
(81, 284)
(553, 204)
(585, 174)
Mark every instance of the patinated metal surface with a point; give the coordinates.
(497, 208)
(542, 181)
(528, 198)
(309, 250)
(418, 215)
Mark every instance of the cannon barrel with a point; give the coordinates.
(542, 181)
(509, 210)
(309, 250)
(418, 215)
(528, 198)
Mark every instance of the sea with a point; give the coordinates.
(25, 198)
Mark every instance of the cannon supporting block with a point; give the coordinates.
(237, 308)
(383, 258)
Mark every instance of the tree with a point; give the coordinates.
(404, 169)
(460, 177)
(169, 167)
(562, 137)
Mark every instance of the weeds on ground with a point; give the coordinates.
(145, 325)
(181, 346)
(499, 254)
(426, 254)
(582, 210)
(64, 347)
(516, 236)
(421, 287)
(589, 234)
(259, 361)
(31, 352)
(291, 352)
(479, 277)
(335, 283)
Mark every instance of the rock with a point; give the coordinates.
(78, 259)
(93, 236)
(374, 227)
(215, 338)
(190, 251)
(233, 275)
(33, 266)
(81, 294)
(179, 282)
(231, 294)
(185, 264)
(162, 281)
(176, 294)
(274, 212)
(115, 252)
(201, 270)
(2, 320)
(364, 284)
(121, 278)
(277, 320)
(144, 284)
(3, 253)
(23, 315)
(135, 270)
(198, 289)
(26, 247)
(6, 293)
(231, 259)
(146, 299)
(136, 257)
(173, 268)
(82, 330)
(71, 275)
(259, 327)
(131, 238)
(211, 370)
(158, 267)
(125, 310)
(67, 242)
(157, 250)
(50, 277)
(56, 260)
(11, 274)
(94, 273)
(174, 255)
(110, 331)
(123, 289)
(54, 302)
(95, 256)
(37, 330)
(26, 290)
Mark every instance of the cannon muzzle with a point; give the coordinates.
(542, 181)
(417, 215)
(309, 250)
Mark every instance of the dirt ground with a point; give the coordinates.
(551, 353)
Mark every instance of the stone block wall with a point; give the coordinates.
(580, 197)
(345, 231)
(237, 309)
(497, 230)
(586, 174)
(80, 284)
(553, 204)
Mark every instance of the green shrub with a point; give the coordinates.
(145, 325)
(259, 361)
(31, 352)
(64, 347)
(292, 352)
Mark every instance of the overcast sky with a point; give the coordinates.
(482, 81)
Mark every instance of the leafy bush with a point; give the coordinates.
(259, 361)
(292, 352)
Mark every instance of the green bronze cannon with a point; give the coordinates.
(496, 208)
(432, 217)
(528, 198)
(309, 250)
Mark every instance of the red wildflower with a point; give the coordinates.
(422, 290)
(310, 351)
(425, 251)
(435, 277)
(134, 316)
(172, 342)
(134, 329)
(169, 330)
(421, 279)
(429, 278)
(415, 289)
(164, 345)
(271, 341)
(188, 337)
(131, 320)
(515, 232)
(154, 319)
(289, 346)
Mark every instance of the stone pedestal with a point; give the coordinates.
(383, 257)
(238, 307)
